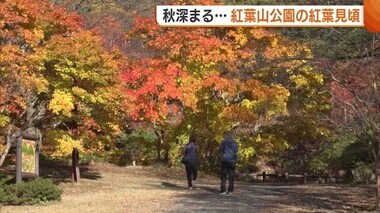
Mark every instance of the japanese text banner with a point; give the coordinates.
(260, 16)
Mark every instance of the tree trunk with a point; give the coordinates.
(158, 145)
(158, 150)
(166, 156)
(377, 138)
(7, 147)
(378, 182)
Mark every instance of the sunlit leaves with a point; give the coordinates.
(62, 103)
(4, 120)
(62, 143)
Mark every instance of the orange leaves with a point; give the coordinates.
(9, 14)
(240, 114)
(90, 126)
(219, 83)
(150, 83)
(33, 37)
(25, 18)
(184, 45)
(143, 27)
(259, 33)
(257, 90)
(69, 20)
(193, 44)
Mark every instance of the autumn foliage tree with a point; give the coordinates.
(232, 78)
(54, 75)
(24, 25)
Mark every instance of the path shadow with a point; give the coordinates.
(173, 186)
(195, 186)
(209, 189)
(275, 198)
(60, 172)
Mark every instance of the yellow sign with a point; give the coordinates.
(28, 156)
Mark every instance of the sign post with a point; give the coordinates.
(75, 165)
(27, 157)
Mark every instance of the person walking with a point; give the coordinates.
(190, 159)
(228, 150)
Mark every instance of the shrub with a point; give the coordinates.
(3, 177)
(29, 193)
(363, 173)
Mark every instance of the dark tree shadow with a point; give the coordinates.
(60, 172)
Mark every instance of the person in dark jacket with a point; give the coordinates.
(228, 150)
(190, 159)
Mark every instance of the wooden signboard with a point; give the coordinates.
(27, 161)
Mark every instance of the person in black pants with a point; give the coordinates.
(228, 150)
(190, 160)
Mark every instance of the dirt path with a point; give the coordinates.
(106, 188)
(271, 198)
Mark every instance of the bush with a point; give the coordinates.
(3, 177)
(363, 173)
(29, 193)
